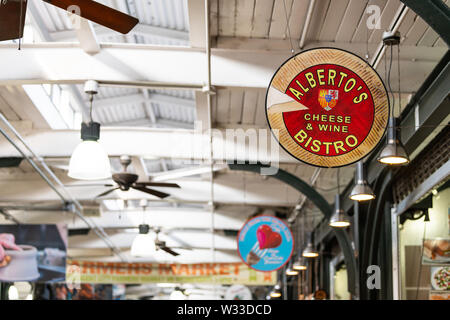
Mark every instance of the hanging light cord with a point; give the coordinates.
(288, 28)
(389, 81)
(385, 73)
(91, 100)
(399, 91)
(20, 23)
(338, 181)
(367, 35)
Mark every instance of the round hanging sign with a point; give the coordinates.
(265, 243)
(328, 107)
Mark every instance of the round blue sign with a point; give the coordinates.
(265, 243)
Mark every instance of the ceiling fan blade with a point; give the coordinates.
(158, 184)
(106, 192)
(11, 22)
(159, 194)
(170, 251)
(88, 185)
(99, 13)
(180, 241)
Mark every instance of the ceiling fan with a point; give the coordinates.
(12, 16)
(143, 244)
(161, 245)
(127, 181)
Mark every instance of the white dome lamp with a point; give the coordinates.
(89, 160)
(144, 244)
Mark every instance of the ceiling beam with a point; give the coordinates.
(185, 172)
(197, 32)
(140, 29)
(184, 144)
(140, 98)
(38, 22)
(149, 111)
(168, 65)
(145, 122)
(306, 23)
(166, 123)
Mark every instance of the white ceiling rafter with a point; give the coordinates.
(141, 98)
(141, 29)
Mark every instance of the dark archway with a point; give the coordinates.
(435, 13)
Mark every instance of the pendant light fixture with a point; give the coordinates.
(290, 271)
(144, 244)
(394, 152)
(89, 160)
(276, 291)
(309, 251)
(299, 264)
(339, 218)
(361, 190)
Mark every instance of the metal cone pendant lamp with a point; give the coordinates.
(276, 291)
(290, 271)
(361, 190)
(339, 218)
(309, 251)
(394, 152)
(299, 264)
(89, 161)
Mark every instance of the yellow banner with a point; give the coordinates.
(211, 273)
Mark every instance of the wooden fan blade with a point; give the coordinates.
(170, 251)
(159, 194)
(11, 24)
(107, 192)
(158, 184)
(99, 13)
(86, 185)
